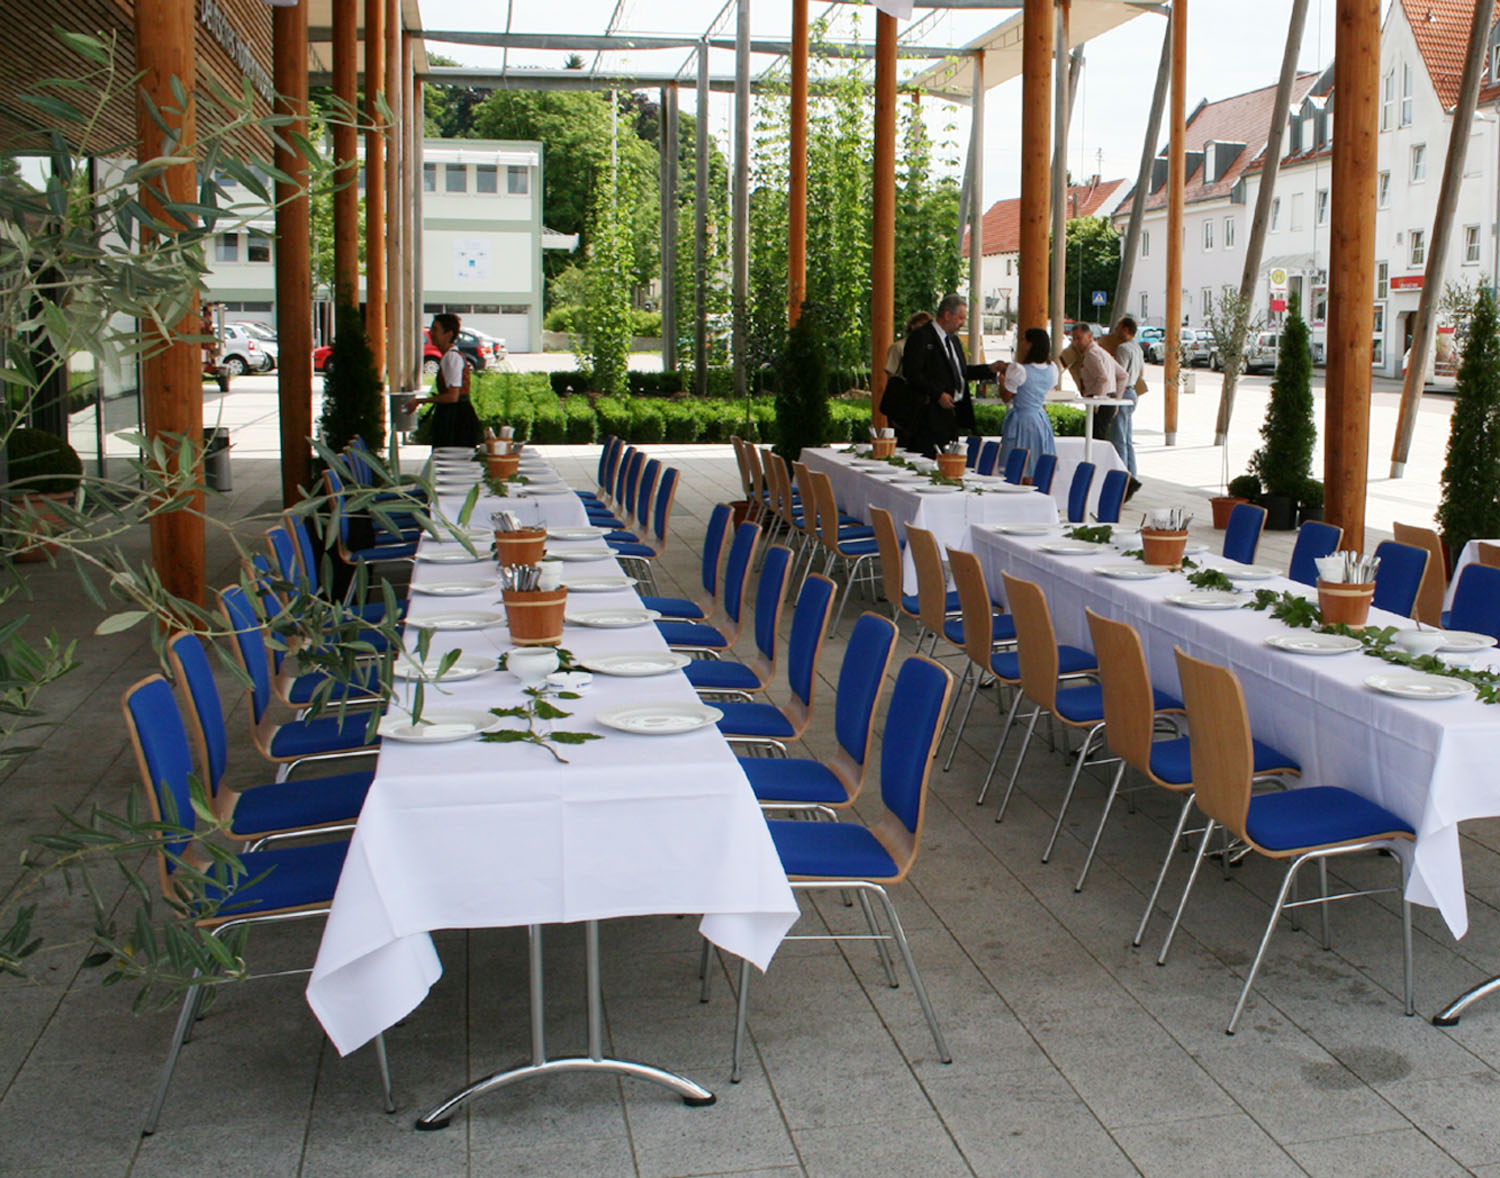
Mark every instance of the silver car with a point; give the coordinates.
(1197, 347)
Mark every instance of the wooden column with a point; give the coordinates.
(796, 215)
(345, 150)
(1036, 143)
(375, 227)
(172, 376)
(1442, 232)
(411, 183)
(294, 370)
(1058, 270)
(1351, 266)
(398, 332)
(1176, 193)
(883, 202)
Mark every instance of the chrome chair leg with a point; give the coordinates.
(1015, 772)
(916, 977)
(1109, 801)
(1323, 908)
(1187, 888)
(1449, 1015)
(179, 1037)
(964, 722)
(885, 954)
(742, 1010)
(1062, 811)
(1265, 941)
(704, 973)
(1010, 718)
(1161, 876)
(383, 1062)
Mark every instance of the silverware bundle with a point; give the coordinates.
(1167, 519)
(956, 448)
(521, 578)
(1348, 568)
(506, 521)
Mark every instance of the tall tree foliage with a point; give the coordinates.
(606, 327)
(928, 259)
(1093, 249)
(767, 308)
(1470, 504)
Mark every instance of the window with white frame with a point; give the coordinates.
(486, 179)
(1275, 213)
(1320, 212)
(1145, 243)
(1417, 240)
(456, 178)
(1474, 156)
(1471, 245)
(1208, 233)
(429, 177)
(1229, 233)
(227, 247)
(1145, 305)
(1383, 190)
(258, 247)
(1495, 63)
(1319, 304)
(1206, 302)
(517, 180)
(1387, 100)
(1406, 93)
(1382, 280)
(1418, 163)
(1296, 217)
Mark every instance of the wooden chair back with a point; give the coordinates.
(974, 601)
(1429, 608)
(891, 565)
(1036, 641)
(1489, 554)
(932, 585)
(743, 463)
(809, 500)
(1125, 682)
(757, 477)
(1223, 758)
(781, 487)
(828, 509)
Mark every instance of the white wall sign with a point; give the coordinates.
(471, 260)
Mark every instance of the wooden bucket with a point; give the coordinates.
(1344, 604)
(527, 546)
(503, 466)
(952, 466)
(882, 447)
(1162, 547)
(536, 618)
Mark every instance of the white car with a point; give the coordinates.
(240, 352)
(266, 337)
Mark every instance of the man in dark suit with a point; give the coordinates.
(934, 365)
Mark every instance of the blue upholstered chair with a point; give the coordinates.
(702, 638)
(764, 725)
(973, 449)
(1296, 827)
(278, 885)
(1476, 601)
(714, 540)
(1399, 577)
(865, 860)
(1314, 539)
(1242, 536)
(989, 458)
(388, 549)
(1078, 493)
(991, 630)
(1111, 497)
(718, 677)
(642, 557)
(1043, 472)
(1015, 464)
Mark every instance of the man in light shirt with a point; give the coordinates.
(1121, 430)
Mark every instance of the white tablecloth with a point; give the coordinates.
(1431, 763)
(947, 516)
(1470, 555)
(475, 835)
(1069, 455)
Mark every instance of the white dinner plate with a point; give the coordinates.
(1315, 644)
(1024, 529)
(579, 553)
(1130, 572)
(455, 588)
(452, 452)
(1206, 599)
(476, 533)
(458, 470)
(633, 664)
(1072, 548)
(611, 619)
(588, 533)
(438, 725)
(468, 619)
(1415, 686)
(1248, 572)
(938, 489)
(444, 488)
(1193, 549)
(1013, 488)
(465, 666)
(598, 584)
(1465, 641)
(451, 554)
(535, 492)
(667, 718)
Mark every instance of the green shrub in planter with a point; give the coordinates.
(680, 420)
(564, 317)
(1245, 486)
(41, 463)
(764, 413)
(1311, 494)
(646, 423)
(989, 416)
(549, 425)
(646, 323)
(614, 416)
(583, 422)
(1068, 421)
(566, 380)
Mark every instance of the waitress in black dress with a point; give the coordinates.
(454, 422)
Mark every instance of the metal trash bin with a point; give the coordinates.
(216, 459)
(402, 422)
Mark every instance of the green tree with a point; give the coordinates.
(449, 110)
(1093, 263)
(1284, 461)
(765, 331)
(1470, 504)
(928, 259)
(604, 341)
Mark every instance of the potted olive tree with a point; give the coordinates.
(1284, 461)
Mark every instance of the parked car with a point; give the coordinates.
(266, 337)
(1146, 336)
(320, 357)
(431, 357)
(1197, 347)
(240, 352)
(480, 350)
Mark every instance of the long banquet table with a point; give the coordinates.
(1430, 762)
(947, 516)
(480, 835)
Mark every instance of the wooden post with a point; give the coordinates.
(700, 229)
(1036, 142)
(172, 376)
(668, 142)
(1131, 248)
(976, 210)
(412, 183)
(375, 226)
(883, 204)
(1176, 185)
(294, 371)
(796, 211)
(345, 149)
(398, 331)
(1059, 267)
(1442, 232)
(1255, 248)
(1351, 265)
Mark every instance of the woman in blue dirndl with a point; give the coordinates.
(1025, 388)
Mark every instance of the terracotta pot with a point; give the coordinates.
(1345, 604)
(1222, 506)
(38, 506)
(536, 618)
(503, 466)
(882, 447)
(952, 466)
(1163, 547)
(523, 547)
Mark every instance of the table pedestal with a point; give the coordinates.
(692, 1094)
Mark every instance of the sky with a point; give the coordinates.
(1233, 46)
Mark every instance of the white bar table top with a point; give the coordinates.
(480, 835)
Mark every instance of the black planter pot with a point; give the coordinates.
(1307, 513)
(1281, 512)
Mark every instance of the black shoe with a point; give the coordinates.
(1135, 485)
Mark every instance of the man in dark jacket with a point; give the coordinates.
(934, 365)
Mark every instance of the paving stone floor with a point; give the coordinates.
(1073, 1053)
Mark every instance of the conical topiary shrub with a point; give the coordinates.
(1284, 461)
(802, 417)
(351, 390)
(1470, 505)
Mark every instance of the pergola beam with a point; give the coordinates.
(637, 42)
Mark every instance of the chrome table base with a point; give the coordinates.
(1448, 1016)
(692, 1094)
